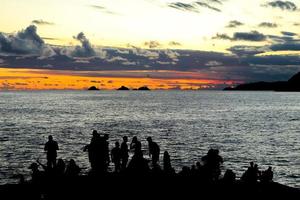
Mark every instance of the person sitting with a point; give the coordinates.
(73, 169)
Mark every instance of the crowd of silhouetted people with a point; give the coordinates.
(207, 170)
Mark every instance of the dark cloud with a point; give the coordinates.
(86, 49)
(222, 37)
(194, 6)
(25, 42)
(288, 46)
(286, 33)
(234, 24)
(243, 50)
(253, 36)
(244, 63)
(183, 6)
(268, 25)
(206, 5)
(42, 22)
(283, 5)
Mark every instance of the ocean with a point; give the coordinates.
(245, 126)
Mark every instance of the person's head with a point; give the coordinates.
(72, 162)
(50, 138)
(251, 164)
(95, 133)
(270, 168)
(149, 139)
(210, 152)
(125, 139)
(117, 144)
(134, 139)
(166, 154)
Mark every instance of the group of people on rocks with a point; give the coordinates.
(208, 170)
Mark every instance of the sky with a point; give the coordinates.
(162, 44)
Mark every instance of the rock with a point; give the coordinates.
(93, 88)
(144, 88)
(123, 88)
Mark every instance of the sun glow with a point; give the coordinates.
(20, 79)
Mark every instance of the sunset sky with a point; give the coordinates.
(163, 44)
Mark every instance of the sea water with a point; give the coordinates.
(263, 127)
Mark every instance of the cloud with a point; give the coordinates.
(103, 9)
(86, 49)
(213, 63)
(253, 36)
(286, 33)
(222, 37)
(183, 7)
(243, 63)
(234, 24)
(243, 50)
(268, 25)
(174, 43)
(152, 44)
(206, 5)
(194, 6)
(42, 22)
(283, 5)
(25, 42)
(288, 46)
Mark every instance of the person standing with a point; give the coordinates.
(124, 153)
(116, 156)
(154, 151)
(51, 148)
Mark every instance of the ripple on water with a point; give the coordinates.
(245, 126)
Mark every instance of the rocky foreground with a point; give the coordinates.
(140, 187)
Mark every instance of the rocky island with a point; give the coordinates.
(123, 88)
(292, 85)
(144, 88)
(93, 88)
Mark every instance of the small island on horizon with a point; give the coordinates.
(140, 88)
(292, 85)
(93, 88)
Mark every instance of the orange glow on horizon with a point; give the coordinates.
(32, 79)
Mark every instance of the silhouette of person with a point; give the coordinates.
(106, 151)
(267, 176)
(154, 151)
(138, 164)
(124, 153)
(116, 155)
(36, 174)
(167, 167)
(212, 162)
(72, 169)
(92, 150)
(135, 145)
(251, 174)
(51, 148)
(60, 167)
